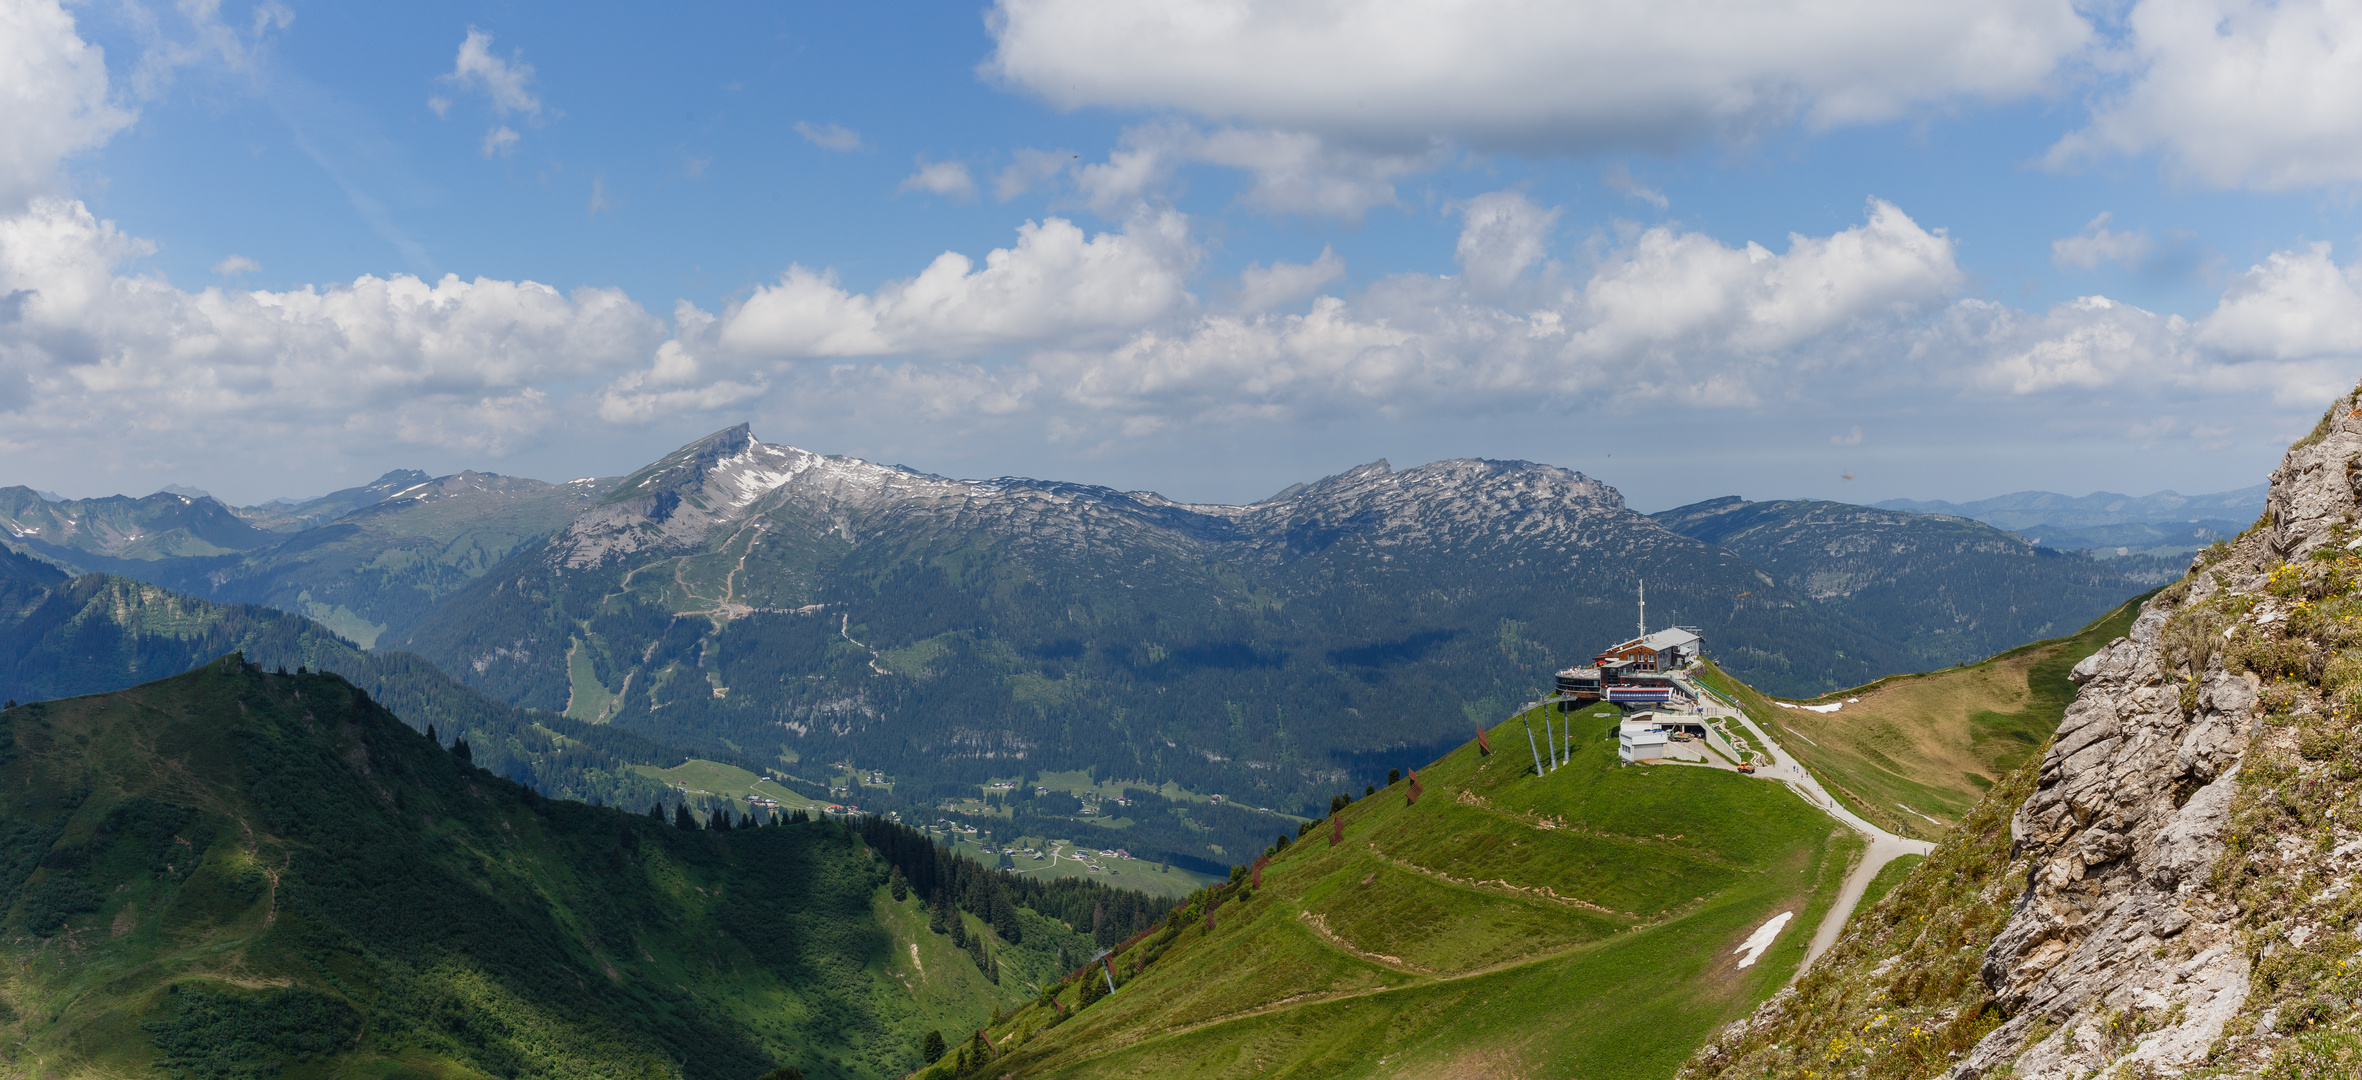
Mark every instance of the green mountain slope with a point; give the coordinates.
(1578, 924)
(227, 872)
(1915, 753)
(1951, 589)
(99, 633)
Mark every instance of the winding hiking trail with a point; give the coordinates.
(1885, 847)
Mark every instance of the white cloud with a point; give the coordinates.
(2235, 94)
(2097, 244)
(829, 136)
(1300, 174)
(599, 202)
(501, 140)
(1294, 173)
(949, 179)
(1850, 438)
(1671, 316)
(1502, 234)
(1054, 286)
(507, 84)
(98, 350)
(1262, 288)
(2085, 344)
(2295, 305)
(1505, 75)
(236, 265)
(54, 85)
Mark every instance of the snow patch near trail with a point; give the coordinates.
(1761, 939)
(1829, 708)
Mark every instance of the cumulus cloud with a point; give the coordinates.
(1502, 235)
(2295, 305)
(1055, 285)
(949, 179)
(829, 136)
(1501, 75)
(235, 266)
(2098, 244)
(1094, 338)
(2235, 94)
(393, 357)
(1262, 288)
(507, 84)
(1672, 316)
(55, 86)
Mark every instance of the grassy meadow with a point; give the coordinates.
(1581, 924)
(1928, 746)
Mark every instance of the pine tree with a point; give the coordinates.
(1004, 917)
(656, 810)
(430, 735)
(900, 887)
(683, 819)
(936, 920)
(459, 750)
(718, 820)
(1393, 776)
(931, 1048)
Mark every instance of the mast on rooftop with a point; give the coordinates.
(1644, 607)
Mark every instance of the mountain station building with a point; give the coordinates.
(1636, 673)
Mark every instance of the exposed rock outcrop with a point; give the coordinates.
(2184, 885)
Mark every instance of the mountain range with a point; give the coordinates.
(2166, 523)
(766, 604)
(800, 614)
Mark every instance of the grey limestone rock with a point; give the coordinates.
(2126, 829)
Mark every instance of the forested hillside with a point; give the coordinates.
(251, 870)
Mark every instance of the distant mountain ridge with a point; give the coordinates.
(759, 601)
(2030, 509)
(1965, 589)
(763, 596)
(362, 560)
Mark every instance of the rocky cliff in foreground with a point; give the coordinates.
(2172, 887)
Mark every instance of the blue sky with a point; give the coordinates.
(1208, 249)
